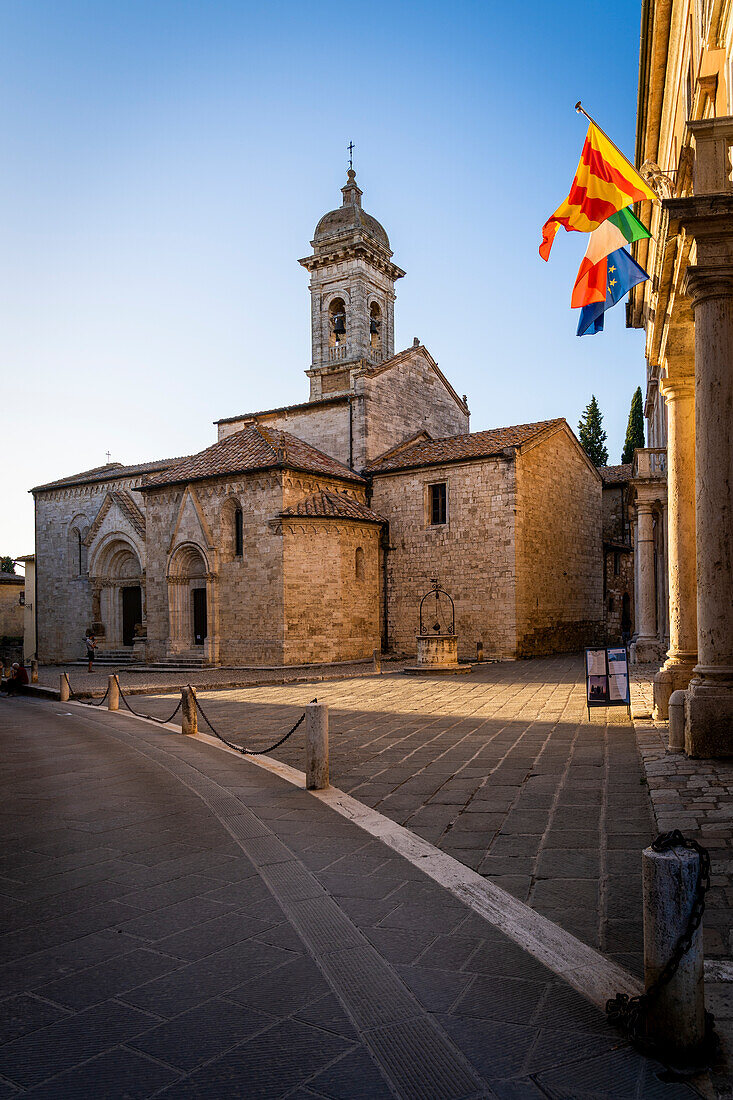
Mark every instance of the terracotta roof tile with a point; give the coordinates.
(614, 474)
(255, 447)
(457, 448)
(11, 578)
(109, 472)
(327, 505)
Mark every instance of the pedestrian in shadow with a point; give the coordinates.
(91, 645)
(17, 679)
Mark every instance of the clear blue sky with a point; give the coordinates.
(164, 163)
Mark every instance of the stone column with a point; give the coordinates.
(211, 643)
(647, 645)
(676, 672)
(709, 707)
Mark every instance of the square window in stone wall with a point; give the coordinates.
(438, 503)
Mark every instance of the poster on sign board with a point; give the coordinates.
(607, 677)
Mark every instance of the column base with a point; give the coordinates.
(674, 675)
(647, 651)
(709, 713)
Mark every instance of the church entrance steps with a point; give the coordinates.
(108, 657)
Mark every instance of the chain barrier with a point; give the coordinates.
(151, 717)
(239, 748)
(86, 702)
(628, 1014)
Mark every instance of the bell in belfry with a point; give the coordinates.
(374, 326)
(339, 323)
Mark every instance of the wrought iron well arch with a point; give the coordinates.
(438, 592)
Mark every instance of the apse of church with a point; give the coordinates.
(304, 533)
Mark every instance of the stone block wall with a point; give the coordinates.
(11, 610)
(63, 594)
(559, 550)
(323, 426)
(331, 590)
(400, 401)
(616, 525)
(472, 555)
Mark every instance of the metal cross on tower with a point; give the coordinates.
(350, 147)
(108, 456)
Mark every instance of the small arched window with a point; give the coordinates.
(238, 533)
(336, 322)
(375, 327)
(359, 563)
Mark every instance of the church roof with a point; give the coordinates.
(255, 447)
(341, 399)
(327, 505)
(458, 448)
(108, 472)
(615, 475)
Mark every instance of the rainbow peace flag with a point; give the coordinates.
(604, 183)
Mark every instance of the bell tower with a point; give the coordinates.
(352, 295)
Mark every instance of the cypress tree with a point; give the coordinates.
(591, 434)
(635, 428)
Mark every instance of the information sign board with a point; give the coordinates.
(607, 677)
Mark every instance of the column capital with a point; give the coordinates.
(704, 282)
(645, 507)
(677, 385)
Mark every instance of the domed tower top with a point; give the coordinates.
(352, 294)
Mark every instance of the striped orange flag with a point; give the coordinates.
(604, 183)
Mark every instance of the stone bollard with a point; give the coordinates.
(676, 742)
(676, 1017)
(34, 671)
(113, 698)
(189, 715)
(316, 746)
(479, 651)
(378, 662)
(64, 688)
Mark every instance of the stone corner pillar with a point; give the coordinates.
(676, 673)
(709, 702)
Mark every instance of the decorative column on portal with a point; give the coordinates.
(678, 388)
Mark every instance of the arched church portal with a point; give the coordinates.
(190, 598)
(118, 592)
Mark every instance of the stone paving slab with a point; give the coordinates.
(131, 1003)
(502, 770)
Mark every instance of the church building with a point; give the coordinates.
(308, 533)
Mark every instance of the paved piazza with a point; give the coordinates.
(501, 769)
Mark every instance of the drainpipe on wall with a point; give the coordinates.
(35, 574)
(384, 541)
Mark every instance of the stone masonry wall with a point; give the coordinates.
(324, 427)
(249, 588)
(11, 610)
(63, 596)
(472, 554)
(559, 552)
(399, 402)
(331, 600)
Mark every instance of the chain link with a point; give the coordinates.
(629, 1013)
(239, 748)
(139, 714)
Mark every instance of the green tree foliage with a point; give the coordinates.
(635, 428)
(591, 434)
(7, 565)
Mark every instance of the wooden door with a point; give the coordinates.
(199, 615)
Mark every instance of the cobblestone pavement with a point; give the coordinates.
(94, 683)
(695, 796)
(501, 769)
(177, 922)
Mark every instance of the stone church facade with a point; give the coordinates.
(308, 533)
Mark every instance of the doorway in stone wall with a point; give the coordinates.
(132, 612)
(198, 598)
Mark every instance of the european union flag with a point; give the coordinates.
(623, 272)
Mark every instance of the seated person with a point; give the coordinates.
(17, 679)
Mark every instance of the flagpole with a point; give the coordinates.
(582, 111)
